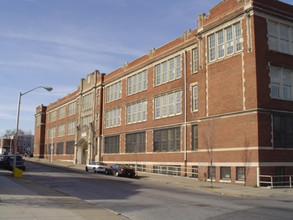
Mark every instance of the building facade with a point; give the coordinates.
(215, 104)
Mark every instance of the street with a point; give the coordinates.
(140, 199)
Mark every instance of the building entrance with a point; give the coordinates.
(82, 152)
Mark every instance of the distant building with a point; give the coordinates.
(25, 145)
(215, 103)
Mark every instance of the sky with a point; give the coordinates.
(56, 43)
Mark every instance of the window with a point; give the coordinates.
(70, 147)
(136, 112)
(113, 118)
(225, 173)
(283, 131)
(168, 104)
(72, 108)
(137, 83)
(194, 98)
(52, 132)
(168, 71)
(61, 129)
(167, 140)
(114, 92)
(194, 137)
(280, 37)
(62, 112)
(71, 128)
(225, 42)
(281, 83)
(87, 102)
(195, 171)
(135, 142)
(59, 148)
(240, 173)
(86, 120)
(212, 172)
(112, 144)
(53, 116)
(194, 60)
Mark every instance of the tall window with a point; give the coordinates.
(280, 37)
(135, 142)
(71, 126)
(53, 116)
(70, 147)
(194, 98)
(59, 148)
(113, 118)
(112, 144)
(86, 120)
(240, 173)
(168, 71)
(52, 133)
(72, 108)
(225, 42)
(194, 60)
(62, 112)
(167, 140)
(114, 92)
(281, 83)
(137, 83)
(61, 130)
(87, 101)
(283, 131)
(168, 104)
(136, 112)
(194, 137)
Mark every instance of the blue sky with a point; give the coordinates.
(56, 43)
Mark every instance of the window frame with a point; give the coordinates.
(135, 142)
(164, 71)
(225, 42)
(167, 140)
(163, 107)
(277, 84)
(114, 144)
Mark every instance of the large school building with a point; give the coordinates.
(214, 104)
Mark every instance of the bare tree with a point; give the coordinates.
(209, 140)
(246, 157)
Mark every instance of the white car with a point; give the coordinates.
(96, 167)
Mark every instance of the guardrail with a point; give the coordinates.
(191, 172)
(276, 181)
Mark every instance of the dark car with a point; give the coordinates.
(122, 170)
(8, 162)
(2, 162)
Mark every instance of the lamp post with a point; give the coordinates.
(17, 120)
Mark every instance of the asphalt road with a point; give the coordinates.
(141, 199)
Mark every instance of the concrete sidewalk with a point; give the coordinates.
(220, 188)
(21, 198)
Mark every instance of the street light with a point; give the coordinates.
(17, 120)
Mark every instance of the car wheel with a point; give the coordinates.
(106, 172)
(86, 169)
(116, 173)
(94, 170)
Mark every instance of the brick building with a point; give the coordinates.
(215, 103)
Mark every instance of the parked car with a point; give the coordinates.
(96, 167)
(2, 162)
(8, 162)
(122, 170)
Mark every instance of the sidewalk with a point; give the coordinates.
(220, 188)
